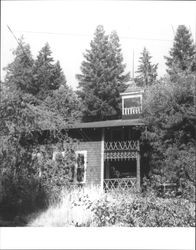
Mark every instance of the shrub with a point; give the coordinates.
(145, 212)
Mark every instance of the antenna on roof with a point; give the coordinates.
(133, 65)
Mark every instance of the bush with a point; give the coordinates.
(145, 212)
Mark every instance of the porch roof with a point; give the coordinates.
(108, 123)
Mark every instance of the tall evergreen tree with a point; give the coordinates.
(147, 72)
(19, 74)
(182, 54)
(47, 75)
(102, 77)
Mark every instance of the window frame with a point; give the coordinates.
(129, 97)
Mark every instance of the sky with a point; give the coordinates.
(68, 27)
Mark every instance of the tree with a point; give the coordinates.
(19, 74)
(147, 72)
(47, 75)
(182, 54)
(102, 77)
(169, 113)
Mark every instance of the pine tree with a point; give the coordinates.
(147, 72)
(19, 74)
(47, 75)
(102, 77)
(182, 54)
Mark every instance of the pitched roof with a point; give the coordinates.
(108, 123)
(132, 88)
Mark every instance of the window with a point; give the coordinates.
(80, 170)
(132, 104)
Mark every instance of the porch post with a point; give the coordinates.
(102, 156)
(138, 168)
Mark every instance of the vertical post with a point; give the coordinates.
(102, 156)
(123, 106)
(138, 167)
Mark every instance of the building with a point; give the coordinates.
(108, 153)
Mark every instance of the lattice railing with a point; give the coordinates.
(118, 150)
(132, 110)
(120, 183)
(121, 145)
(120, 155)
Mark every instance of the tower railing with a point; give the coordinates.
(132, 110)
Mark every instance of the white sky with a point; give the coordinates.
(138, 24)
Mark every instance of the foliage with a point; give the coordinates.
(27, 121)
(22, 126)
(66, 103)
(182, 54)
(19, 73)
(47, 75)
(102, 77)
(169, 113)
(147, 72)
(89, 207)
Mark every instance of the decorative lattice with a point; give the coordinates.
(121, 183)
(121, 145)
(120, 155)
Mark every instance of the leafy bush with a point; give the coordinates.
(145, 212)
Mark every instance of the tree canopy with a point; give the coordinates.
(19, 72)
(48, 76)
(103, 77)
(37, 81)
(182, 56)
(146, 72)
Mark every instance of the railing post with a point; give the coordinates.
(138, 167)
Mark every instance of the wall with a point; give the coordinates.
(93, 170)
(90, 140)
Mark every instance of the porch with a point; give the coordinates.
(121, 165)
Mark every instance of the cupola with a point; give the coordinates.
(132, 101)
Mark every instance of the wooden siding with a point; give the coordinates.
(93, 170)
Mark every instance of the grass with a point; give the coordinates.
(72, 210)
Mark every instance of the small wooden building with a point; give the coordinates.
(108, 153)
